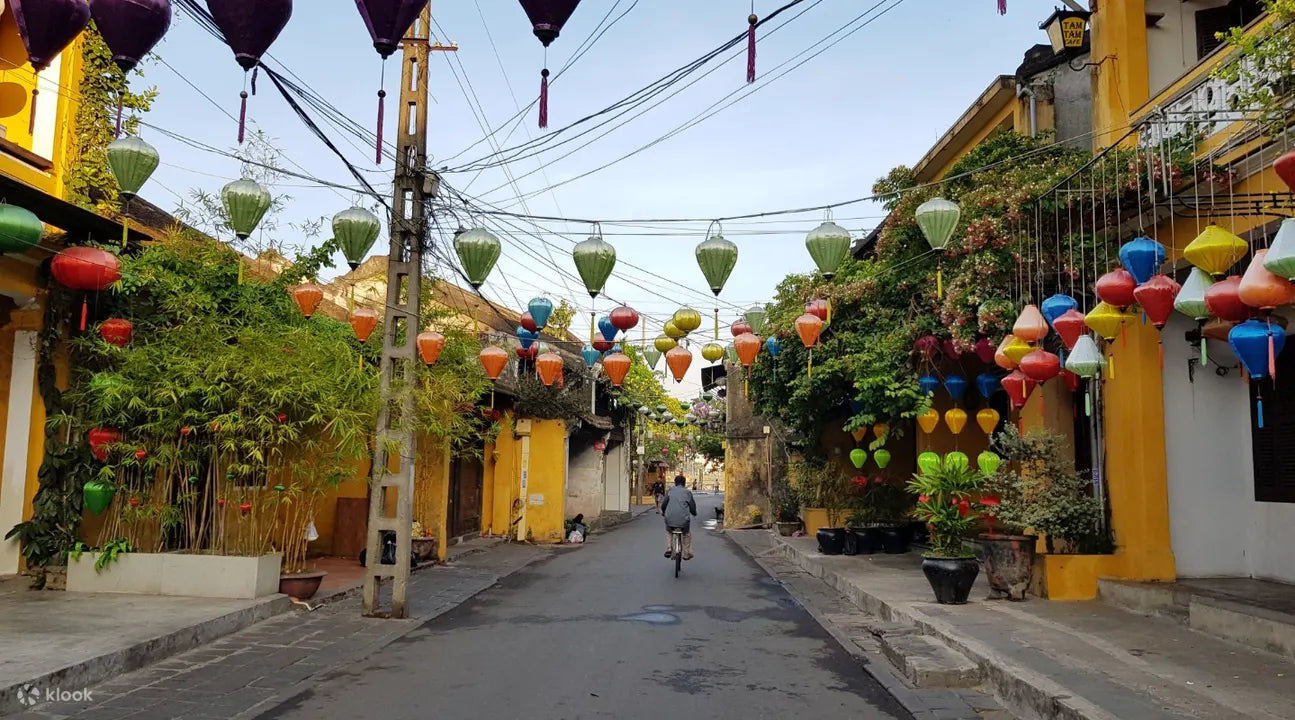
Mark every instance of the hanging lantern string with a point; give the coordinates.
(242, 112)
(35, 92)
(382, 112)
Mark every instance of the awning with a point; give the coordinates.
(72, 218)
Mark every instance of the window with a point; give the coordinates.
(1274, 443)
(1211, 22)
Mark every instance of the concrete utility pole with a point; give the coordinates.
(395, 432)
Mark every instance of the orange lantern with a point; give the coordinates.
(747, 346)
(1261, 288)
(678, 359)
(363, 322)
(307, 296)
(430, 345)
(809, 327)
(548, 366)
(493, 359)
(1030, 325)
(617, 366)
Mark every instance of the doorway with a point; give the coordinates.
(464, 516)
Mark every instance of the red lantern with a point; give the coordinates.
(747, 347)
(430, 345)
(307, 296)
(809, 327)
(1285, 167)
(281, 417)
(602, 344)
(1069, 326)
(528, 322)
(624, 318)
(1156, 296)
(100, 439)
(818, 308)
(186, 431)
(1072, 380)
(548, 366)
(86, 268)
(678, 359)
(1019, 387)
(617, 366)
(928, 346)
(136, 502)
(116, 331)
(985, 350)
(739, 328)
(141, 454)
(1116, 288)
(951, 350)
(493, 359)
(245, 507)
(1223, 300)
(364, 321)
(529, 353)
(1040, 365)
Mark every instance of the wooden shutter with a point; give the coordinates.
(1209, 23)
(1274, 443)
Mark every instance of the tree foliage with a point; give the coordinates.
(1263, 67)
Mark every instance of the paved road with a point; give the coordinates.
(606, 631)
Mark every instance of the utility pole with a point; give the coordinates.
(395, 437)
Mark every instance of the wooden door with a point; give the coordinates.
(466, 476)
(351, 527)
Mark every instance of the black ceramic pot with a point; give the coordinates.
(868, 540)
(894, 539)
(831, 541)
(951, 578)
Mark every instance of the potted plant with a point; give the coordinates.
(867, 533)
(946, 495)
(891, 506)
(296, 503)
(823, 486)
(422, 542)
(786, 508)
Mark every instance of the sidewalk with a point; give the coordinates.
(1073, 660)
(75, 640)
(270, 663)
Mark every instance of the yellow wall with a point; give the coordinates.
(546, 522)
(16, 82)
(1121, 81)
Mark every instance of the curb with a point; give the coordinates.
(97, 669)
(1024, 691)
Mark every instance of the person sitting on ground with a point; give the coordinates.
(578, 530)
(679, 508)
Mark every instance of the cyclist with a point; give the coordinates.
(679, 508)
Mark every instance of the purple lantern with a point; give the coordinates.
(250, 27)
(131, 29)
(547, 18)
(388, 21)
(47, 27)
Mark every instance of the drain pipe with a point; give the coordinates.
(1021, 91)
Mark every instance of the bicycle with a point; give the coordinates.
(676, 549)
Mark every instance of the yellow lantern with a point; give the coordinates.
(987, 419)
(859, 434)
(928, 420)
(1016, 349)
(956, 419)
(1106, 320)
(712, 352)
(672, 331)
(686, 319)
(1215, 250)
(664, 343)
(880, 430)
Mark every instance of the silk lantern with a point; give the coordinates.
(430, 345)
(478, 250)
(1069, 326)
(97, 495)
(528, 322)
(1085, 359)
(928, 463)
(988, 462)
(664, 343)
(881, 456)
(1261, 288)
(607, 328)
(956, 385)
(540, 309)
(1285, 168)
(116, 331)
(356, 230)
(590, 356)
(928, 383)
(1017, 349)
(1030, 326)
(755, 317)
(809, 327)
(250, 27)
(1281, 255)
(984, 349)
(1001, 358)
(951, 350)
(938, 218)
(548, 366)
(307, 296)
(987, 419)
(748, 347)
(928, 420)
(739, 327)
(132, 162)
(1106, 320)
(956, 419)
(928, 346)
(387, 21)
(1223, 300)
(651, 355)
(20, 229)
(686, 319)
(595, 259)
(1040, 366)
(87, 269)
(526, 337)
(493, 360)
(1190, 300)
(47, 27)
(957, 461)
(712, 352)
(1142, 257)
(1215, 250)
(828, 245)
(1115, 288)
(1257, 344)
(363, 321)
(245, 203)
(1056, 306)
(547, 18)
(858, 457)
(716, 257)
(678, 359)
(617, 366)
(859, 433)
(1156, 296)
(99, 440)
(624, 318)
(987, 384)
(602, 344)
(773, 346)
(671, 330)
(130, 28)
(880, 430)
(1019, 387)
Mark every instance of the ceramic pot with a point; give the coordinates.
(951, 578)
(1009, 564)
(831, 541)
(302, 586)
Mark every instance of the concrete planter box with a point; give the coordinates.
(214, 576)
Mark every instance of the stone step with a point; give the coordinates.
(927, 663)
(1157, 599)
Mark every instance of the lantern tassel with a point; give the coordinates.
(125, 230)
(1088, 403)
(829, 312)
(1272, 353)
(242, 118)
(544, 99)
(382, 116)
(1161, 345)
(750, 47)
(939, 281)
(808, 373)
(1002, 7)
(716, 324)
(85, 310)
(1259, 410)
(1205, 353)
(31, 119)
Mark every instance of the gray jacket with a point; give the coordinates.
(678, 507)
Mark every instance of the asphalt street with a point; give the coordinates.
(606, 631)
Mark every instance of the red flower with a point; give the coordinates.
(964, 508)
(923, 498)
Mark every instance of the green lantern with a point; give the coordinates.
(828, 244)
(661, 409)
(882, 458)
(716, 257)
(132, 162)
(754, 317)
(97, 495)
(988, 462)
(858, 458)
(478, 250)
(246, 203)
(652, 356)
(20, 229)
(928, 463)
(731, 352)
(595, 259)
(356, 230)
(938, 218)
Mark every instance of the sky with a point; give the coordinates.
(803, 136)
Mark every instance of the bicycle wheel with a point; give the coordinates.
(678, 553)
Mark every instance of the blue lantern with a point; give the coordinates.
(1257, 344)
(957, 386)
(929, 384)
(526, 337)
(540, 308)
(590, 355)
(1142, 257)
(773, 346)
(606, 328)
(856, 407)
(615, 349)
(987, 384)
(1056, 306)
